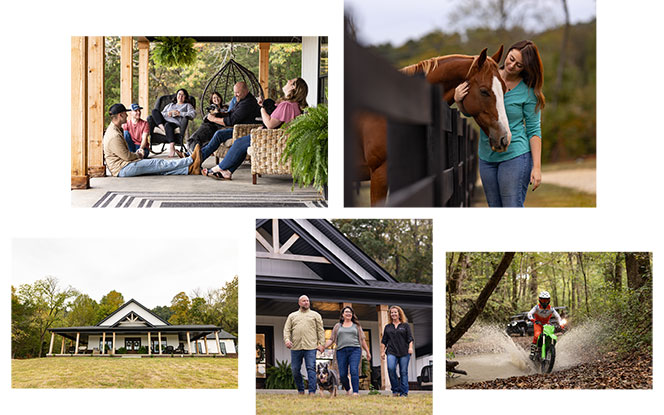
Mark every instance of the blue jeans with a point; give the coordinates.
(236, 154)
(219, 137)
(505, 183)
(399, 383)
(349, 356)
(156, 166)
(309, 362)
(130, 143)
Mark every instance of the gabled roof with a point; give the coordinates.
(337, 271)
(118, 323)
(147, 310)
(223, 334)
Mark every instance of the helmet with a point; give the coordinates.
(544, 299)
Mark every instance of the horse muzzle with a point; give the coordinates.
(500, 140)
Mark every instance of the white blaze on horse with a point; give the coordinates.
(484, 102)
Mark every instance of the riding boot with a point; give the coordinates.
(533, 351)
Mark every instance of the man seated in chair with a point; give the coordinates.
(124, 163)
(245, 111)
(136, 131)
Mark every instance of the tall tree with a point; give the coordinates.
(469, 318)
(109, 303)
(84, 311)
(180, 307)
(229, 312)
(637, 265)
(163, 311)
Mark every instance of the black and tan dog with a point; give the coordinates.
(327, 379)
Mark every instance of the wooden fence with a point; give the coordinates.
(432, 151)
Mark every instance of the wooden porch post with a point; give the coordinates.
(50, 348)
(62, 347)
(126, 66)
(143, 66)
(205, 344)
(383, 320)
(103, 343)
(159, 334)
(113, 342)
(189, 343)
(216, 336)
(96, 106)
(78, 336)
(79, 113)
(150, 345)
(264, 67)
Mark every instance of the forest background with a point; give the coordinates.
(568, 54)
(48, 303)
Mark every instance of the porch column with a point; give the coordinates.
(78, 337)
(159, 334)
(103, 343)
(113, 342)
(143, 66)
(216, 336)
(126, 66)
(150, 345)
(79, 114)
(205, 344)
(96, 106)
(62, 347)
(310, 64)
(189, 343)
(50, 348)
(264, 67)
(383, 320)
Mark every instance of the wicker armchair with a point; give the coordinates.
(239, 130)
(266, 149)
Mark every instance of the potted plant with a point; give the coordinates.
(307, 148)
(172, 51)
(280, 376)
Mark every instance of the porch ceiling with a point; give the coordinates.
(241, 39)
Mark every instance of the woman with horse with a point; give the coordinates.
(505, 175)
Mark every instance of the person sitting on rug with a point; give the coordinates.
(244, 112)
(291, 106)
(124, 163)
(174, 115)
(136, 131)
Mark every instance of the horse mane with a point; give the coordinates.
(429, 65)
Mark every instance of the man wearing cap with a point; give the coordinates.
(124, 163)
(136, 131)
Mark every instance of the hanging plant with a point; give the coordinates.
(307, 147)
(173, 51)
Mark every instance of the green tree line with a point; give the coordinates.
(403, 247)
(47, 303)
(569, 118)
(613, 287)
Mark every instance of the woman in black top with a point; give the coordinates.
(397, 346)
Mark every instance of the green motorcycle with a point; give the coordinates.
(545, 356)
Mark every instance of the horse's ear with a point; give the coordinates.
(496, 56)
(482, 58)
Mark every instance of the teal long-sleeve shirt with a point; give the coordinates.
(524, 120)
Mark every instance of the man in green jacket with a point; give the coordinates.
(303, 335)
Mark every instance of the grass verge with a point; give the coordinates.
(416, 404)
(103, 372)
(547, 195)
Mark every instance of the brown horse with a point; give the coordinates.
(484, 103)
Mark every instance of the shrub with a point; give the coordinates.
(280, 376)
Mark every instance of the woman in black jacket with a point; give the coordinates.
(397, 347)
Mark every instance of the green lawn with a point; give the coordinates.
(104, 372)
(290, 404)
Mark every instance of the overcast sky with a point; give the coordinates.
(381, 21)
(97, 266)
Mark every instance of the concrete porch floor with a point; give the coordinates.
(200, 185)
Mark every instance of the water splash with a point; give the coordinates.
(580, 344)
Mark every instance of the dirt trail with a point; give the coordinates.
(579, 179)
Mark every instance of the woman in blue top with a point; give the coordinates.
(505, 176)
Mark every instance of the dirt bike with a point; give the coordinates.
(545, 356)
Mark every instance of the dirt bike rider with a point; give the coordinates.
(540, 315)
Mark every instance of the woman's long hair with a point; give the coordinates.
(221, 100)
(533, 70)
(186, 96)
(402, 315)
(353, 319)
(299, 94)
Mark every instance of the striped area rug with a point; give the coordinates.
(122, 199)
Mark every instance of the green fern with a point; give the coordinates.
(280, 376)
(307, 147)
(173, 51)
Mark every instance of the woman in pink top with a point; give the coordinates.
(295, 101)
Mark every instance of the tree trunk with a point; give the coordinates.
(585, 282)
(637, 265)
(460, 329)
(617, 272)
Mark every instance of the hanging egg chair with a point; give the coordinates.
(224, 80)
